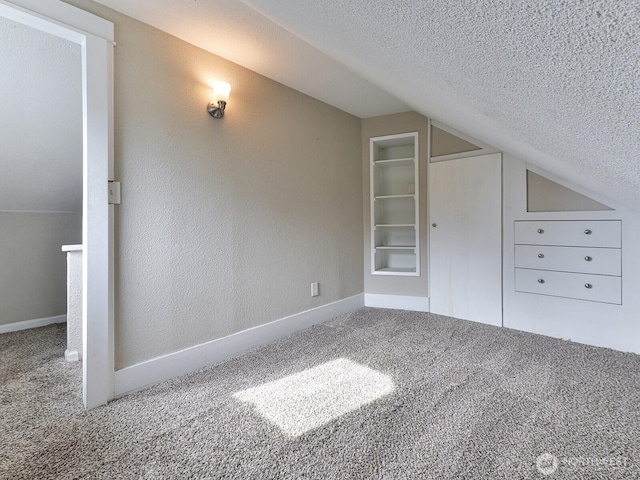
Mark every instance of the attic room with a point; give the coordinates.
(403, 244)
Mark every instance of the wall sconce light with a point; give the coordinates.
(220, 98)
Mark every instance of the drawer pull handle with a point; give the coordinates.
(540, 230)
(541, 255)
(588, 285)
(587, 232)
(541, 280)
(588, 258)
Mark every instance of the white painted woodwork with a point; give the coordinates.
(601, 261)
(394, 205)
(466, 238)
(591, 322)
(163, 368)
(581, 286)
(578, 233)
(558, 246)
(399, 302)
(73, 353)
(97, 238)
(34, 323)
(96, 37)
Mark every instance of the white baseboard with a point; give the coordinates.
(71, 355)
(401, 302)
(36, 322)
(163, 368)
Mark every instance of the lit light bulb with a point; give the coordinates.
(221, 91)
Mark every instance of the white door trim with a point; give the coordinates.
(95, 36)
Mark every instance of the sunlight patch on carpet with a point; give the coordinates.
(314, 397)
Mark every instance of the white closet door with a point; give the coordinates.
(466, 238)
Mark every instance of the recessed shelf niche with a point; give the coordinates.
(394, 205)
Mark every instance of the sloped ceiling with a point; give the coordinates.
(235, 31)
(40, 121)
(554, 83)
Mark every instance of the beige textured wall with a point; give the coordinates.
(445, 143)
(224, 223)
(544, 195)
(33, 272)
(389, 125)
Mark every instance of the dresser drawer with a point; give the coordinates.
(581, 286)
(601, 261)
(578, 233)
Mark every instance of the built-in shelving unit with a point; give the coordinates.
(394, 205)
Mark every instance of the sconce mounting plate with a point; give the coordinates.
(216, 111)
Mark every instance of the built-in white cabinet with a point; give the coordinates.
(572, 259)
(394, 205)
(575, 233)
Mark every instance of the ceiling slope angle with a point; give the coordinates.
(40, 121)
(237, 32)
(553, 83)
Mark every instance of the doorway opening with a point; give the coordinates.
(95, 37)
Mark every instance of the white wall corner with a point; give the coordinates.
(36, 322)
(151, 372)
(400, 302)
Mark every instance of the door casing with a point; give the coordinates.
(96, 38)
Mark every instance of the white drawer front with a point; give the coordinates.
(603, 288)
(578, 233)
(601, 261)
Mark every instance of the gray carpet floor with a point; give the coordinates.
(372, 394)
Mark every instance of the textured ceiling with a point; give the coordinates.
(40, 121)
(556, 83)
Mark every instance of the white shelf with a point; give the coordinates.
(394, 205)
(395, 225)
(394, 162)
(404, 195)
(390, 270)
